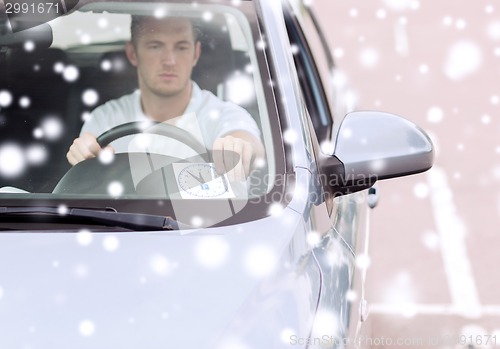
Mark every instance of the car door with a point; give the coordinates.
(339, 220)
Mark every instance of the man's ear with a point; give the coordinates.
(197, 53)
(131, 54)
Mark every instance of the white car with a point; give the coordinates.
(147, 250)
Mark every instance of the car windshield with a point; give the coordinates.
(75, 74)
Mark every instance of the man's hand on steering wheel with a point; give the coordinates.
(84, 147)
(235, 154)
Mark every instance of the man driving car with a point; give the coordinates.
(164, 52)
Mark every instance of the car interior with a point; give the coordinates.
(51, 101)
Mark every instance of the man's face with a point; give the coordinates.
(164, 53)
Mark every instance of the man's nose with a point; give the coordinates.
(168, 57)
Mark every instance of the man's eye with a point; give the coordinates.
(183, 48)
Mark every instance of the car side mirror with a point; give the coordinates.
(374, 145)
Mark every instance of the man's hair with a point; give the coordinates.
(137, 25)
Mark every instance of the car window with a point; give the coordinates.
(48, 91)
(314, 67)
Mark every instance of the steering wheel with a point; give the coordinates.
(93, 177)
(158, 128)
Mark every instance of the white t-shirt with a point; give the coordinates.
(206, 118)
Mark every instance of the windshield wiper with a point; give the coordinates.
(108, 216)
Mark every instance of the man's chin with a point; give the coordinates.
(167, 92)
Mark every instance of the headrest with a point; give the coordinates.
(216, 61)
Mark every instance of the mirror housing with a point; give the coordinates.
(374, 145)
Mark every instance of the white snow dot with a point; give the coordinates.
(24, 102)
(111, 243)
(160, 12)
(84, 237)
(106, 156)
(338, 52)
(58, 67)
(38, 133)
(106, 65)
(351, 296)
(85, 39)
(431, 240)
(212, 251)
(86, 328)
(327, 147)
(381, 14)
(5, 98)
(424, 68)
(276, 209)
(313, 238)
(325, 321)
(161, 265)
(81, 271)
(36, 154)
(463, 59)
(363, 261)
(241, 89)
(90, 97)
(460, 146)
(214, 114)
(29, 46)
(494, 30)
(259, 163)
(102, 23)
(196, 221)
(415, 5)
(115, 189)
(1, 293)
(353, 12)
(260, 261)
(346, 133)
(86, 116)
(486, 119)
(71, 73)
(421, 190)
(12, 160)
(207, 16)
(369, 57)
(489, 9)
(290, 136)
(435, 115)
(460, 24)
(495, 99)
(398, 5)
(261, 45)
(447, 21)
(287, 334)
(52, 128)
(62, 210)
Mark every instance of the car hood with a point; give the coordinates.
(142, 290)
